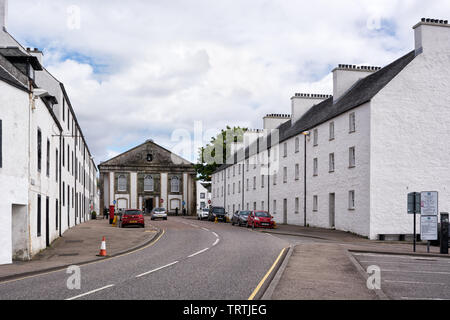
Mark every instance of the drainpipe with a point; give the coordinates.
(305, 134)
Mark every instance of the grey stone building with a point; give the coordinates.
(146, 177)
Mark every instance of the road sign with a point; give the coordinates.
(209, 201)
(114, 202)
(162, 200)
(414, 204)
(429, 203)
(429, 228)
(184, 203)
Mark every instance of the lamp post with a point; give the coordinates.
(305, 134)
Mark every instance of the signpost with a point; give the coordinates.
(429, 220)
(414, 207)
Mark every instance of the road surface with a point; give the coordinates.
(191, 260)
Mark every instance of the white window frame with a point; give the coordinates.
(297, 205)
(285, 173)
(285, 151)
(297, 145)
(315, 137)
(315, 167)
(297, 171)
(315, 203)
(175, 184)
(274, 207)
(351, 200)
(352, 157)
(119, 184)
(152, 184)
(332, 134)
(331, 163)
(352, 122)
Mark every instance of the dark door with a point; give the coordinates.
(47, 222)
(149, 205)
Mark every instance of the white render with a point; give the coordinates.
(401, 144)
(70, 184)
(203, 195)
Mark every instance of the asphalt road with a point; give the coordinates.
(192, 260)
(409, 277)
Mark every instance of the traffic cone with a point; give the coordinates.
(216, 220)
(103, 248)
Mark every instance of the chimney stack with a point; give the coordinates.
(37, 53)
(432, 36)
(273, 121)
(3, 14)
(302, 102)
(345, 76)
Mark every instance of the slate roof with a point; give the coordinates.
(15, 54)
(7, 77)
(362, 92)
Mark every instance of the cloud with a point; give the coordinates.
(136, 70)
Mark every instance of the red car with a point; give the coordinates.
(260, 219)
(132, 217)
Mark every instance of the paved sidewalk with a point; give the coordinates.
(321, 271)
(353, 242)
(81, 244)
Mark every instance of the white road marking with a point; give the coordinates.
(416, 282)
(205, 229)
(407, 271)
(408, 298)
(197, 253)
(413, 263)
(215, 243)
(91, 292)
(215, 234)
(157, 269)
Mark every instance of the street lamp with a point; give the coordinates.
(305, 134)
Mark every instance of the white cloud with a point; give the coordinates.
(140, 69)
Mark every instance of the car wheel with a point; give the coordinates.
(165, 218)
(232, 223)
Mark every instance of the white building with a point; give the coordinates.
(203, 194)
(383, 133)
(47, 174)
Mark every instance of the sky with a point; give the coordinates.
(138, 70)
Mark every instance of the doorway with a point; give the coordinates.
(285, 218)
(332, 210)
(149, 205)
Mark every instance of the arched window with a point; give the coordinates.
(149, 184)
(122, 183)
(175, 184)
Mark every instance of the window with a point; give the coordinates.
(315, 167)
(39, 150)
(297, 171)
(274, 206)
(331, 130)
(315, 203)
(202, 195)
(1, 143)
(149, 184)
(248, 183)
(39, 215)
(254, 183)
(48, 159)
(239, 188)
(247, 164)
(285, 175)
(122, 183)
(331, 162)
(352, 122)
(351, 200)
(297, 205)
(254, 205)
(239, 171)
(228, 189)
(248, 206)
(352, 157)
(262, 205)
(285, 150)
(316, 137)
(297, 145)
(274, 178)
(234, 189)
(262, 181)
(234, 171)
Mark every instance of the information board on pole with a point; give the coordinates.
(429, 228)
(429, 203)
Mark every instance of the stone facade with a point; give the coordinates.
(146, 177)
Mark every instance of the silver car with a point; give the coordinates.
(202, 213)
(159, 213)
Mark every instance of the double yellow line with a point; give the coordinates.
(261, 283)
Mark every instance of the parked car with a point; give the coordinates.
(132, 217)
(240, 218)
(158, 213)
(260, 219)
(202, 213)
(217, 212)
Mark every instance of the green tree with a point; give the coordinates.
(208, 159)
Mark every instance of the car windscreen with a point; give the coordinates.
(218, 210)
(244, 213)
(262, 214)
(132, 213)
(160, 210)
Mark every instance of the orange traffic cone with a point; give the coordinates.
(103, 248)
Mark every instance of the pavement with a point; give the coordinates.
(322, 266)
(81, 244)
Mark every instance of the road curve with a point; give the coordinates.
(192, 260)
